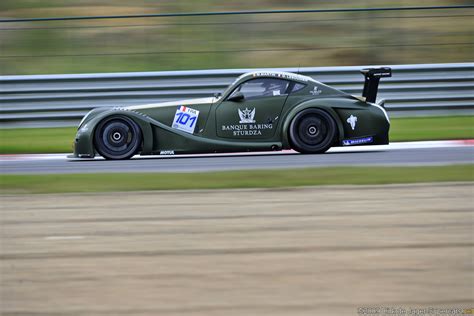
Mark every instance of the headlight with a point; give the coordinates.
(83, 129)
(83, 120)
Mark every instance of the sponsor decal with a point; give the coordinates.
(247, 129)
(357, 141)
(246, 116)
(247, 126)
(315, 91)
(167, 152)
(185, 119)
(352, 120)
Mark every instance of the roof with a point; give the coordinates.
(277, 74)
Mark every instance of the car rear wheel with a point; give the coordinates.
(312, 131)
(117, 138)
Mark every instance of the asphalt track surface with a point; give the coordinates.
(396, 154)
(305, 251)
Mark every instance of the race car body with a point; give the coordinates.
(259, 111)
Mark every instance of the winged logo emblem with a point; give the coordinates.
(246, 116)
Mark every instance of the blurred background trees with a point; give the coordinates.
(232, 41)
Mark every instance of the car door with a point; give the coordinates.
(252, 110)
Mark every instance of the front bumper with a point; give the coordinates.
(83, 144)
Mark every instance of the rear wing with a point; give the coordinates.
(371, 84)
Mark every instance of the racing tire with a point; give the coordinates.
(117, 137)
(312, 131)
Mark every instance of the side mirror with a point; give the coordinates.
(236, 97)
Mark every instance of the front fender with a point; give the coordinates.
(84, 141)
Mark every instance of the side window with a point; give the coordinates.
(262, 87)
(297, 87)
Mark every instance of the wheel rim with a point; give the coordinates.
(312, 130)
(117, 138)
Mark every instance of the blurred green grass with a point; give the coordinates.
(36, 140)
(59, 140)
(236, 179)
(330, 39)
(432, 128)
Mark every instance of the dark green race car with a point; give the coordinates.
(260, 111)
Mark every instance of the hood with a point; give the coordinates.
(173, 103)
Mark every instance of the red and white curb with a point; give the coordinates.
(391, 146)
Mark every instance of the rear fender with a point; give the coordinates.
(321, 104)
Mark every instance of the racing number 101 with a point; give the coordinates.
(183, 119)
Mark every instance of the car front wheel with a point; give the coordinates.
(117, 138)
(312, 131)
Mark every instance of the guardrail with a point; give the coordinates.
(62, 100)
